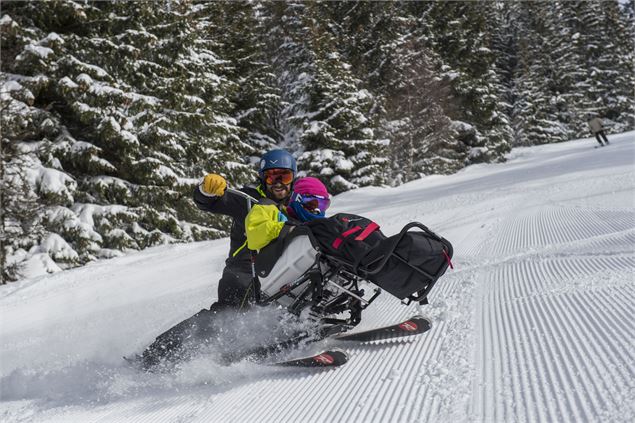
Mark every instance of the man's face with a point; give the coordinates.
(278, 182)
(279, 191)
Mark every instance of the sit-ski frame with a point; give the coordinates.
(350, 297)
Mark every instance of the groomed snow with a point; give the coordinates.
(535, 323)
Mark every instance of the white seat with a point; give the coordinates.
(298, 257)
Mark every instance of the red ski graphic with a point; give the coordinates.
(330, 358)
(324, 358)
(408, 326)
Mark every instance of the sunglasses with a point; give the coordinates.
(272, 176)
(314, 203)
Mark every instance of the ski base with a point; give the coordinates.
(324, 359)
(413, 326)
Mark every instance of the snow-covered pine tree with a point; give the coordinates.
(117, 107)
(418, 100)
(460, 35)
(365, 36)
(238, 30)
(607, 57)
(617, 24)
(571, 55)
(338, 139)
(293, 64)
(32, 183)
(139, 112)
(505, 37)
(325, 114)
(537, 102)
(572, 60)
(20, 222)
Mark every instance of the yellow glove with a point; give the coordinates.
(213, 185)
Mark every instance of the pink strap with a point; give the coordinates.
(447, 257)
(372, 227)
(339, 240)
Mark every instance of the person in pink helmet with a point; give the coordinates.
(308, 201)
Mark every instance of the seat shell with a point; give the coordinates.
(296, 259)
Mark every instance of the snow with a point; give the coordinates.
(11, 86)
(95, 70)
(51, 181)
(460, 126)
(6, 20)
(42, 52)
(57, 248)
(165, 172)
(535, 323)
(52, 38)
(477, 152)
(38, 264)
(85, 79)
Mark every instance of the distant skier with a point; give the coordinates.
(597, 128)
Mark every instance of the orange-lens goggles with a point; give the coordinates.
(284, 176)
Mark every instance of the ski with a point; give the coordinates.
(413, 326)
(327, 358)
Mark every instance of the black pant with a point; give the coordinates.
(234, 286)
(233, 293)
(601, 134)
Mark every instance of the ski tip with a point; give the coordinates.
(340, 355)
(333, 358)
(423, 321)
(325, 359)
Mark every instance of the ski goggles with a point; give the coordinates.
(272, 176)
(314, 203)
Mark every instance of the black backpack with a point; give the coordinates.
(345, 236)
(406, 264)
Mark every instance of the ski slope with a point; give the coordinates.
(535, 323)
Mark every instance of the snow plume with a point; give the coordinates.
(234, 335)
(103, 377)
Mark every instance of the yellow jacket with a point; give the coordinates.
(262, 225)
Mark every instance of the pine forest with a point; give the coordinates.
(112, 111)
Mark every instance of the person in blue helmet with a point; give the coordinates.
(277, 171)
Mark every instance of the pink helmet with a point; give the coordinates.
(310, 186)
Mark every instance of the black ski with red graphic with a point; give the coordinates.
(413, 326)
(328, 358)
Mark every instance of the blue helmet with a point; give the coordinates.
(276, 159)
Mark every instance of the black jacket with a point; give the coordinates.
(234, 206)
